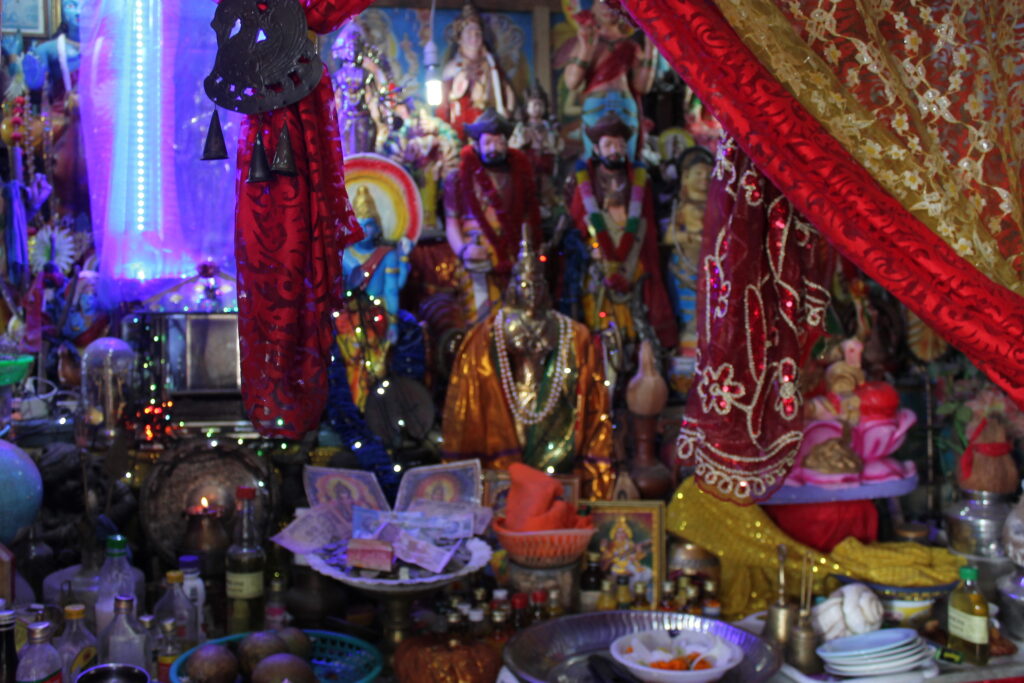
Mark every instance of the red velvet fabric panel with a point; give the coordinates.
(822, 180)
(289, 236)
(823, 525)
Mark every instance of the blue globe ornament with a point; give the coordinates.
(21, 491)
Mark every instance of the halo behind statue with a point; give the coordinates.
(393, 191)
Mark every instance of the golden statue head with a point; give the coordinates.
(528, 289)
(364, 206)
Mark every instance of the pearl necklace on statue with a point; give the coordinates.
(524, 414)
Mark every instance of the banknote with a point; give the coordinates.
(431, 523)
(423, 553)
(356, 487)
(479, 515)
(313, 529)
(457, 482)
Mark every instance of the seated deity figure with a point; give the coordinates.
(487, 201)
(375, 273)
(611, 68)
(527, 386)
(612, 208)
(472, 81)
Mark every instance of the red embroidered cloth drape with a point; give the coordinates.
(289, 236)
(908, 165)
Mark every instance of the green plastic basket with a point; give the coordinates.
(13, 370)
(336, 658)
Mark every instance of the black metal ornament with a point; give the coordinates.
(259, 169)
(215, 148)
(284, 157)
(265, 59)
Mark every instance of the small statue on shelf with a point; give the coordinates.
(487, 201)
(612, 208)
(363, 73)
(472, 81)
(537, 138)
(612, 69)
(527, 386)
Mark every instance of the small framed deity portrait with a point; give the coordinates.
(497, 484)
(630, 539)
(34, 18)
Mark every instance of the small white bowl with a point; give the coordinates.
(724, 655)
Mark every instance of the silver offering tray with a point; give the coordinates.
(556, 651)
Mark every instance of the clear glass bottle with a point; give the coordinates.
(117, 577)
(555, 608)
(683, 584)
(640, 600)
(623, 596)
(8, 650)
(151, 627)
(124, 641)
(275, 616)
(711, 606)
(77, 645)
(538, 606)
(590, 583)
(668, 597)
(39, 661)
(968, 619)
(499, 601)
(606, 601)
(501, 629)
(176, 606)
(169, 650)
(195, 589)
(481, 602)
(479, 625)
(246, 562)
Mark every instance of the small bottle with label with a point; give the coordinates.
(170, 650)
(623, 596)
(8, 650)
(176, 606)
(39, 661)
(77, 645)
(640, 601)
(710, 605)
(195, 589)
(668, 597)
(153, 640)
(590, 583)
(693, 605)
(555, 607)
(246, 561)
(124, 641)
(479, 625)
(539, 606)
(606, 601)
(501, 629)
(968, 619)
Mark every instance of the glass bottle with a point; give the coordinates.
(245, 564)
(693, 605)
(195, 589)
(77, 645)
(481, 602)
(499, 601)
(169, 650)
(623, 596)
(668, 597)
(539, 606)
(501, 629)
(520, 611)
(479, 625)
(39, 661)
(8, 651)
(124, 641)
(606, 601)
(711, 606)
(85, 584)
(682, 591)
(968, 619)
(153, 641)
(117, 577)
(176, 606)
(590, 583)
(640, 601)
(455, 634)
(555, 608)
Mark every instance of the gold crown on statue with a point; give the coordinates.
(364, 206)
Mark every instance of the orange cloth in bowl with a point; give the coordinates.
(535, 504)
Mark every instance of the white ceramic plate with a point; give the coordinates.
(873, 643)
(882, 667)
(894, 653)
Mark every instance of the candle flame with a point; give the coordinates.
(205, 503)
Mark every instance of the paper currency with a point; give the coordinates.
(422, 553)
(319, 526)
(461, 519)
(432, 523)
(452, 483)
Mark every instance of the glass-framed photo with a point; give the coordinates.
(34, 18)
(630, 539)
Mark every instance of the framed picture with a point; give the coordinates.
(497, 484)
(630, 539)
(456, 482)
(34, 18)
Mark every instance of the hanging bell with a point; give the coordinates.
(284, 157)
(259, 170)
(214, 148)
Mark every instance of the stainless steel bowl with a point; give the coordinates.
(113, 673)
(556, 651)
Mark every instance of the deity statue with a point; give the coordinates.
(487, 200)
(683, 237)
(611, 68)
(429, 150)
(536, 137)
(375, 272)
(472, 81)
(612, 208)
(359, 83)
(527, 386)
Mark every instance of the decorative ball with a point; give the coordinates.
(878, 400)
(21, 491)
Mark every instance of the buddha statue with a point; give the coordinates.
(527, 386)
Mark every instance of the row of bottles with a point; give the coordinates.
(599, 592)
